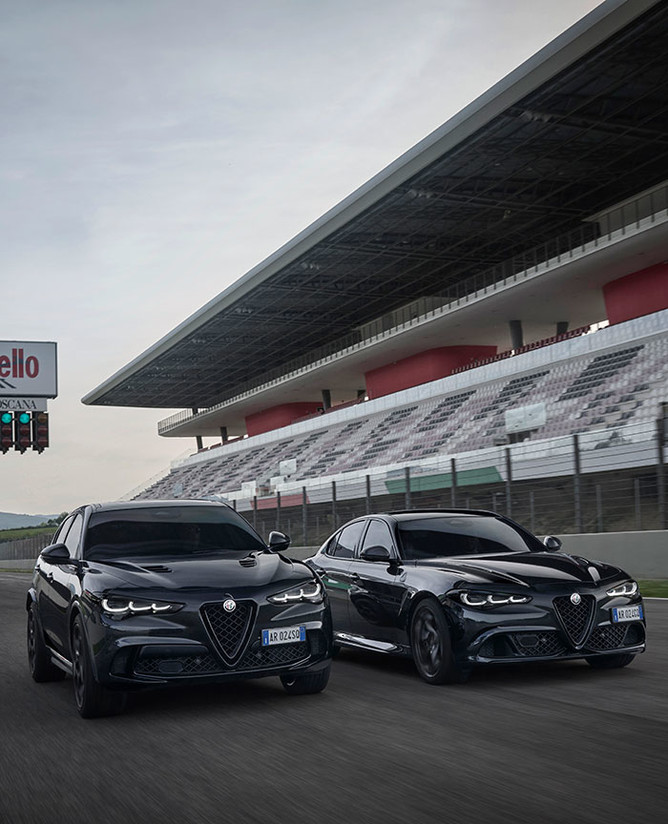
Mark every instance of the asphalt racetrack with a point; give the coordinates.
(539, 744)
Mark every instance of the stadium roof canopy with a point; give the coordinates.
(579, 127)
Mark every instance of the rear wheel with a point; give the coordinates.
(42, 668)
(92, 699)
(306, 684)
(611, 661)
(431, 645)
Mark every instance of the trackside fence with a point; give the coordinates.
(611, 480)
(589, 483)
(25, 548)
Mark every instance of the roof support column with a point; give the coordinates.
(326, 399)
(516, 335)
(562, 327)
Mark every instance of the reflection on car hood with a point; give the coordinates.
(205, 574)
(528, 568)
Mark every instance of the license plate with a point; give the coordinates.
(620, 614)
(284, 635)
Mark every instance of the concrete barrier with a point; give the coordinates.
(641, 554)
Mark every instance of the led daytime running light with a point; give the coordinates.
(310, 592)
(627, 588)
(133, 607)
(481, 599)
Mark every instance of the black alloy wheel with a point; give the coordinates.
(306, 684)
(92, 699)
(42, 668)
(431, 645)
(623, 659)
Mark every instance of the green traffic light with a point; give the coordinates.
(24, 417)
(6, 417)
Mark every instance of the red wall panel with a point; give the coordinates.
(278, 416)
(640, 293)
(422, 368)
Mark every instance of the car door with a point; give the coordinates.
(56, 587)
(377, 588)
(333, 567)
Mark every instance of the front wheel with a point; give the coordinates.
(92, 699)
(431, 645)
(610, 661)
(42, 668)
(306, 684)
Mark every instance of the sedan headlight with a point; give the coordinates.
(116, 606)
(491, 599)
(627, 588)
(311, 592)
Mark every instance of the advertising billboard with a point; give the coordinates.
(28, 369)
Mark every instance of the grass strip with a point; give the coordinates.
(654, 589)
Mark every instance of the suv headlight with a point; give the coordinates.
(490, 599)
(627, 588)
(117, 606)
(311, 592)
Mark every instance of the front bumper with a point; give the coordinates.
(539, 631)
(150, 651)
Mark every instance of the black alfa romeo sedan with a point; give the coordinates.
(152, 593)
(454, 588)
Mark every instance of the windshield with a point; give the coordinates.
(168, 532)
(450, 535)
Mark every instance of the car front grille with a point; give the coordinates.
(177, 666)
(575, 618)
(274, 656)
(538, 643)
(229, 630)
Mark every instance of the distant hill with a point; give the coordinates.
(12, 520)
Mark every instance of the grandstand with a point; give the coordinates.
(483, 323)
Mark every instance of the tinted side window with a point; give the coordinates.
(72, 539)
(347, 540)
(330, 546)
(61, 532)
(378, 534)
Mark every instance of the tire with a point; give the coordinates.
(306, 684)
(42, 668)
(92, 699)
(431, 645)
(606, 662)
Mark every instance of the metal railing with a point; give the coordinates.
(606, 481)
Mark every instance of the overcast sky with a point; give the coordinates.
(153, 151)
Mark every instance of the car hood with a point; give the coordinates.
(526, 568)
(209, 576)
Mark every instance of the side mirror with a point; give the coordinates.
(56, 554)
(278, 542)
(376, 553)
(552, 543)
